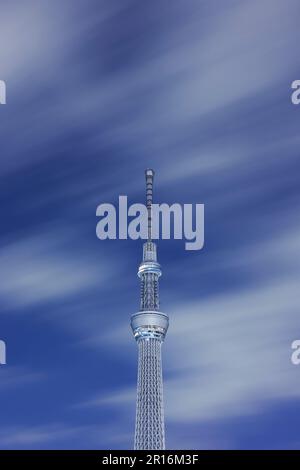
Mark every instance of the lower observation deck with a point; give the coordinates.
(149, 324)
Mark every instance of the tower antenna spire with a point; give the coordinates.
(149, 173)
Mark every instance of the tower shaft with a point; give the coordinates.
(149, 432)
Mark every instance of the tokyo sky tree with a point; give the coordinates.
(149, 327)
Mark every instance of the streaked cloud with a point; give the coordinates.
(18, 377)
(33, 271)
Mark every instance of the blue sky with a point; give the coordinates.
(96, 92)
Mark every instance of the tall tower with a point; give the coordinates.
(149, 327)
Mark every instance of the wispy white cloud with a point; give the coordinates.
(67, 436)
(30, 36)
(12, 376)
(39, 269)
(21, 436)
(120, 397)
(235, 60)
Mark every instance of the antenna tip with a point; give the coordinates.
(149, 172)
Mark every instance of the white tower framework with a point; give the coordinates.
(149, 327)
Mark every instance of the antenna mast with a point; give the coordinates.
(149, 198)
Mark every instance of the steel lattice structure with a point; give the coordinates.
(149, 327)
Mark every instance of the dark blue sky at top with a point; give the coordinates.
(97, 91)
